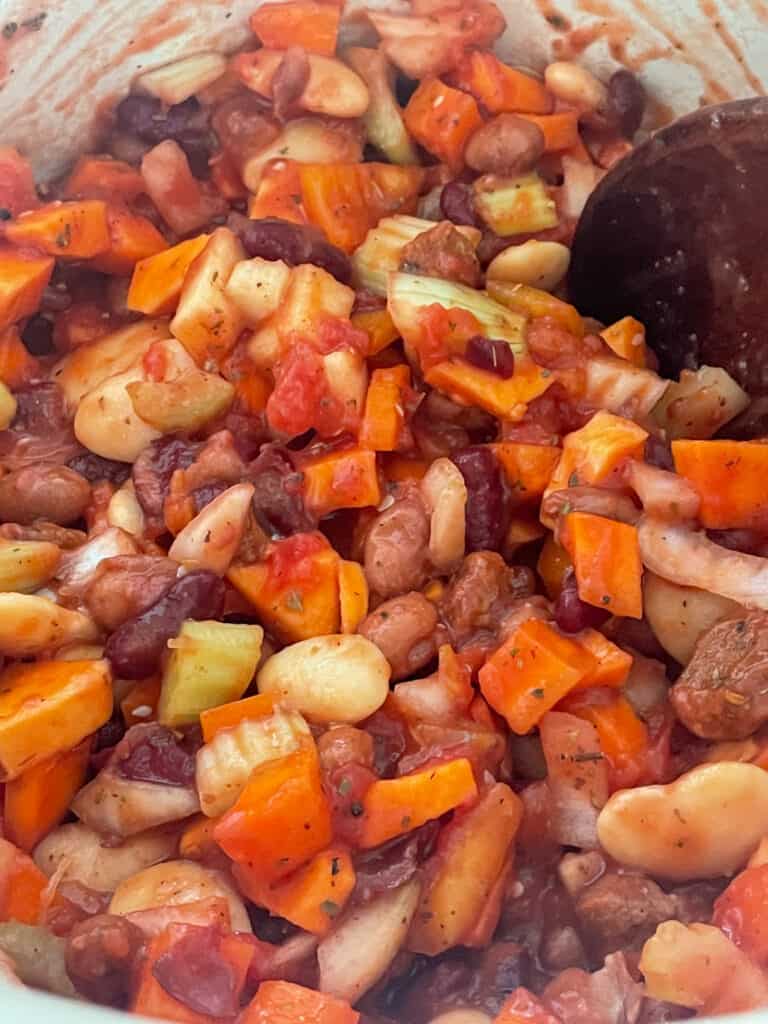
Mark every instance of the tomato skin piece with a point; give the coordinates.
(17, 186)
(300, 386)
(742, 912)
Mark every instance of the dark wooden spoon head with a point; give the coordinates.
(677, 235)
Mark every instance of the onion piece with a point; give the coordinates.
(690, 559)
(357, 953)
(37, 956)
(212, 538)
(577, 777)
(679, 616)
(663, 494)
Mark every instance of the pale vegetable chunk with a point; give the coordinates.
(211, 663)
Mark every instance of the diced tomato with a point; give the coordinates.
(742, 912)
(17, 185)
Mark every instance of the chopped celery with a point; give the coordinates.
(379, 254)
(409, 294)
(383, 119)
(226, 763)
(211, 663)
(699, 404)
(514, 206)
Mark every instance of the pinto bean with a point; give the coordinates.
(621, 911)
(483, 588)
(442, 251)
(404, 630)
(396, 547)
(55, 493)
(100, 955)
(723, 691)
(125, 586)
(506, 144)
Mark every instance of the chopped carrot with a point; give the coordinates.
(730, 477)
(379, 327)
(134, 238)
(279, 193)
(152, 1000)
(500, 88)
(531, 672)
(384, 415)
(554, 562)
(295, 590)
(140, 703)
(23, 279)
(504, 398)
(390, 188)
(17, 365)
(345, 479)
(395, 806)
(627, 339)
(561, 131)
(156, 283)
(283, 1002)
(99, 177)
(312, 897)
(38, 799)
(522, 1007)
(227, 716)
(225, 177)
(22, 885)
(483, 930)
(534, 303)
(613, 664)
(353, 595)
(606, 559)
(76, 229)
(47, 707)
(306, 23)
(442, 120)
(281, 819)
(400, 468)
(622, 733)
(527, 467)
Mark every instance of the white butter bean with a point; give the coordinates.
(706, 823)
(337, 678)
(539, 264)
(573, 84)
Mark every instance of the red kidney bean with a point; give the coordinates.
(54, 493)
(751, 542)
(155, 754)
(277, 501)
(136, 647)
(195, 973)
(626, 101)
(492, 355)
(101, 954)
(486, 512)
(95, 468)
(457, 205)
(395, 863)
(186, 123)
(571, 613)
(38, 336)
(658, 453)
(274, 239)
(155, 466)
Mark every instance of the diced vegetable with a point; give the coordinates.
(95, 177)
(133, 238)
(17, 365)
(460, 879)
(37, 800)
(157, 281)
(500, 88)
(49, 707)
(281, 819)
(442, 119)
(312, 898)
(383, 119)
(257, 287)
(528, 467)
(626, 338)
(27, 565)
(534, 303)
(229, 758)
(140, 703)
(729, 477)
(207, 322)
(211, 663)
(227, 716)
(470, 385)
(175, 82)
(345, 479)
(305, 140)
(394, 806)
(616, 385)
(522, 1007)
(700, 404)
(279, 193)
(282, 1002)
(606, 559)
(577, 778)
(515, 206)
(561, 130)
(23, 280)
(21, 885)
(613, 663)
(306, 23)
(533, 670)
(353, 595)
(295, 590)
(69, 230)
(741, 911)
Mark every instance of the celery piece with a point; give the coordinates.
(699, 404)
(210, 663)
(410, 294)
(514, 206)
(383, 119)
(380, 253)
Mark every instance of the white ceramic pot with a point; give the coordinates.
(63, 63)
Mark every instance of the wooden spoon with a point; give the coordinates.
(677, 235)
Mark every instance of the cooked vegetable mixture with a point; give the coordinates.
(383, 638)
